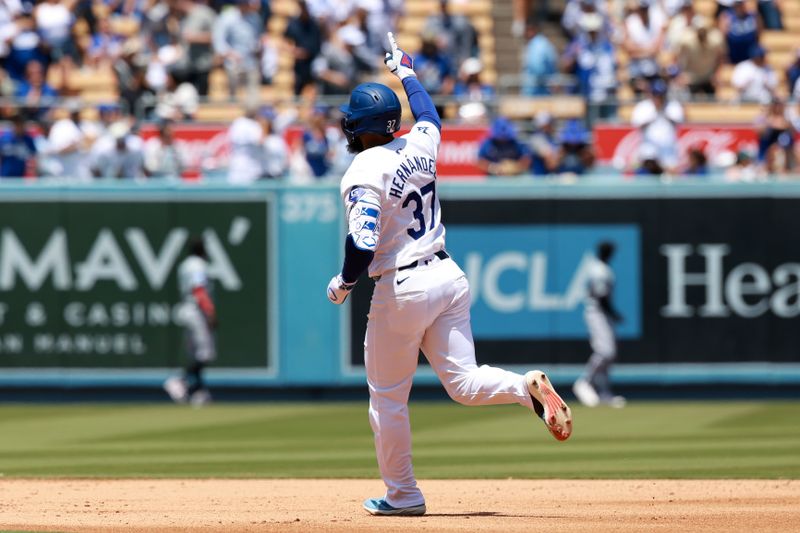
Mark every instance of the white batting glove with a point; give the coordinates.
(399, 62)
(339, 290)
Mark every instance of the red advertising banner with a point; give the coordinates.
(206, 149)
(619, 145)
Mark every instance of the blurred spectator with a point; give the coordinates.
(162, 159)
(575, 154)
(316, 145)
(776, 135)
(469, 85)
(130, 70)
(679, 23)
(17, 149)
(236, 38)
(269, 59)
(741, 29)
(105, 45)
(339, 65)
(576, 10)
(700, 54)
(645, 33)
(539, 62)
(177, 102)
(649, 161)
(697, 161)
(754, 79)
(502, 153)
(196, 27)
(657, 119)
(374, 40)
(520, 10)
(54, 20)
(381, 16)
(246, 137)
(118, 154)
(9, 11)
(276, 151)
(770, 12)
(434, 69)
(25, 46)
(7, 86)
(107, 114)
(67, 154)
(592, 59)
(744, 169)
(456, 35)
(34, 91)
(304, 36)
(544, 146)
(793, 72)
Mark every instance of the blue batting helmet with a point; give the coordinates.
(373, 108)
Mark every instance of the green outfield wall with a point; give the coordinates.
(708, 280)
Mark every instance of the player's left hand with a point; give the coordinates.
(399, 62)
(339, 290)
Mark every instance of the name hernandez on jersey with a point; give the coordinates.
(424, 164)
(400, 177)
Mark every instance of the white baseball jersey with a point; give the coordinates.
(192, 273)
(600, 284)
(399, 180)
(393, 210)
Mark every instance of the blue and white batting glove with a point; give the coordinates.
(399, 62)
(339, 290)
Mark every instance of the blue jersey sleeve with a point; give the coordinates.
(421, 104)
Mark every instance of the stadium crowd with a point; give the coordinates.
(162, 53)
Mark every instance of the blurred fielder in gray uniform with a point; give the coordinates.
(199, 319)
(593, 387)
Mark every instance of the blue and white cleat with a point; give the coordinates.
(378, 506)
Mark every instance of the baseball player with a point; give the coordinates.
(593, 387)
(199, 318)
(421, 299)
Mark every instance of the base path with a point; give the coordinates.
(334, 505)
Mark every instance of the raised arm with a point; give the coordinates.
(401, 65)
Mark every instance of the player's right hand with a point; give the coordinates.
(339, 290)
(399, 62)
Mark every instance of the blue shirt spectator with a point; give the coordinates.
(741, 29)
(25, 47)
(576, 155)
(538, 64)
(433, 68)
(34, 90)
(502, 154)
(16, 149)
(316, 146)
(591, 57)
(544, 145)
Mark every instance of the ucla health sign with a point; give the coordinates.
(529, 281)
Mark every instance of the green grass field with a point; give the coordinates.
(645, 440)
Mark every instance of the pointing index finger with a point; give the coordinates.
(392, 42)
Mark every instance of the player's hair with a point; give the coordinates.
(605, 250)
(197, 247)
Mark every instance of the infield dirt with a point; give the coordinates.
(334, 505)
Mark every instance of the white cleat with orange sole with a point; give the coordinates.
(552, 409)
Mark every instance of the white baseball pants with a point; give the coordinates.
(199, 337)
(601, 334)
(423, 308)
